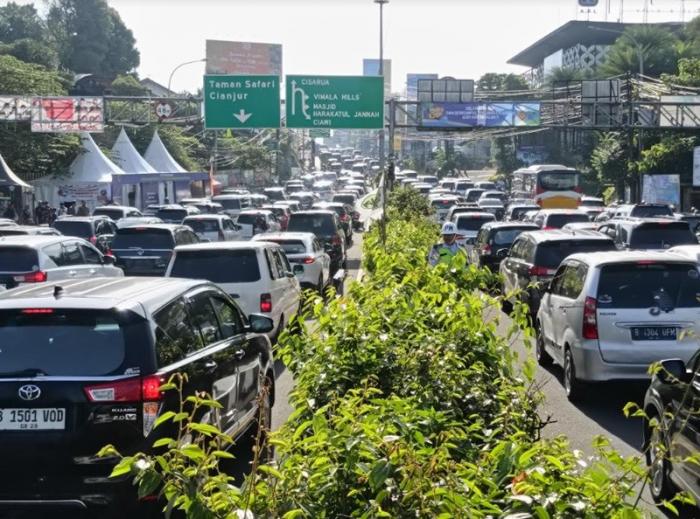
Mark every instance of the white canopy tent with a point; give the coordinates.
(159, 157)
(124, 154)
(89, 178)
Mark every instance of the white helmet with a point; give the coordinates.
(448, 228)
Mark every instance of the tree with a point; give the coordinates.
(127, 85)
(504, 157)
(658, 48)
(564, 75)
(91, 38)
(493, 82)
(671, 155)
(609, 160)
(18, 22)
(31, 51)
(688, 73)
(17, 77)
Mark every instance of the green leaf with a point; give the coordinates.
(163, 442)
(293, 514)
(163, 418)
(204, 428)
(194, 452)
(122, 468)
(268, 469)
(380, 471)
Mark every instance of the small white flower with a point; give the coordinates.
(383, 337)
(142, 464)
(244, 514)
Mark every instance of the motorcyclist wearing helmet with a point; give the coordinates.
(448, 249)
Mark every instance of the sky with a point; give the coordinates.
(459, 38)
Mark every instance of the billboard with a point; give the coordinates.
(67, 114)
(15, 108)
(468, 115)
(239, 57)
(662, 189)
(412, 84)
(370, 67)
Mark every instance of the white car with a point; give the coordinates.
(255, 221)
(25, 230)
(493, 206)
(214, 227)
(256, 274)
(36, 259)
(303, 248)
(116, 212)
(468, 226)
(233, 204)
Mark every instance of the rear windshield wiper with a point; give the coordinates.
(29, 372)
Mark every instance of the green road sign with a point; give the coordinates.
(335, 102)
(241, 102)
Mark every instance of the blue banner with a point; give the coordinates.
(488, 115)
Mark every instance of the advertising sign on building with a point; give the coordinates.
(662, 189)
(468, 115)
(239, 57)
(370, 67)
(15, 108)
(67, 114)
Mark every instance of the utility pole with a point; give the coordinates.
(381, 132)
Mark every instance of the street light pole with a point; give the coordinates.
(170, 79)
(381, 132)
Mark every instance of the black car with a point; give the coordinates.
(145, 250)
(98, 230)
(327, 229)
(83, 362)
(494, 241)
(535, 256)
(344, 213)
(671, 440)
(648, 233)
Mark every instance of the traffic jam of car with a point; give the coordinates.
(97, 312)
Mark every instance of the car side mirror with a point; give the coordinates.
(502, 253)
(673, 371)
(289, 274)
(108, 260)
(298, 270)
(259, 324)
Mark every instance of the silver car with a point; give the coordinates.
(609, 315)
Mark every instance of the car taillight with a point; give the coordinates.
(38, 276)
(138, 389)
(590, 321)
(109, 252)
(548, 228)
(265, 303)
(93, 239)
(37, 311)
(486, 249)
(538, 271)
(308, 260)
(344, 218)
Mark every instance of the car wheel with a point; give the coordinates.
(660, 485)
(543, 358)
(572, 385)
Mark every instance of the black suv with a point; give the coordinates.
(145, 250)
(98, 230)
(648, 233)
(83, 361)
(344, 213)
(494, 241)
(327, 229)
(534, 257)
(672, 421)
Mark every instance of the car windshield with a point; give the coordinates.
(650, 211)
(143, 238)
(649, 284)
(474, 194)
(557, 221)
(344, 199)
(662, 236)
(248, 219)
(319, 224)
(231, 203)
(505, 237)
(448, 185)
(473, 223)
(49, 343)
(518, 212)
(592, 203)
(114, 214)
(291, 246)
(550, 254)
(18, 259)
(442, 203)
(76, 229)
(558, 180)
(217, 266)
(203, 225)
(172, 215)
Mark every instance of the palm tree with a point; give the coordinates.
(562, 75)
(658, 47)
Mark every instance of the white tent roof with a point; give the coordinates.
(8, 177)
(158, 156)
(91, 165)
(126, 157)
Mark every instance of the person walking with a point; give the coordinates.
(83, 210)
(10, 212)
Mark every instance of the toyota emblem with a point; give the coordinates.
(140, 252)
(29, 392)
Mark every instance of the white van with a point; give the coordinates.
(256, 274)
(233, 204)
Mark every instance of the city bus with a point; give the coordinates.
(551, 186)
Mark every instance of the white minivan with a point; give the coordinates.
(256, 274)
